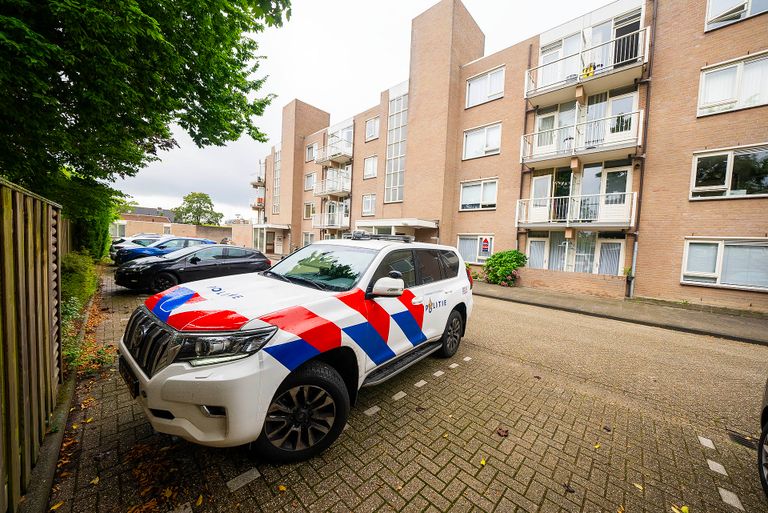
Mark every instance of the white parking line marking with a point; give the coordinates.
(373, 410)
(706, 442)
(243, 479)
(730, 498)
(420, 384)
(399, 396)
(346, 426)
(467, 358)
(438, 374)
(453, 365)
(716, 467)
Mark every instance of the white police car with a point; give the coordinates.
(278, 357)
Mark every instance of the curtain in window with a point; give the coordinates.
(496, 83)
(468, 248)
(470, 196)
(493, 137)
(536, 254)
(557, 246)
(754, 87)
(702, 257)
(476, 91)
(609, 258)
(719, 85)
(474, 143)
(585, 252)
(745, 265)
(489, 194)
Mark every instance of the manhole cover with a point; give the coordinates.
(742, 439)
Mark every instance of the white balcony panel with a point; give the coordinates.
(339, 185)
(339, 151)
(330, 220)
(613, 210)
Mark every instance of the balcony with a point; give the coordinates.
(258, 182)
(610, 137)
(339, 152)
(331, 220)
(599, 67)
(339, 185)
(612, 210)
(258, 204)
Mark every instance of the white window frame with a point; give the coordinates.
(546, 251)
(375, 160)
(487, 152)
(377, 127)
(310, 236)
(730, 152)
(721, 243)
(371, 199)
(482, 183)
(731, 104)
(490, 96)
(622, 255)
(747, 6)
(478, 259)
(309, 177)
(313, 211)
(310, 152)
(276, 178)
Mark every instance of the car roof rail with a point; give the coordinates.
(363, 235)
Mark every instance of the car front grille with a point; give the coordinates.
(150, 342)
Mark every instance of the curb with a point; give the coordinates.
(41, 481)
(672, 327)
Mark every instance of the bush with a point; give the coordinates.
(78, 281)
(501, 268)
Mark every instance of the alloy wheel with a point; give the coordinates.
(764, 458)
(300, 417)
(454, 334)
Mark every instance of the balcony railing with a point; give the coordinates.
(588, 63)
(619, 131)
(258, 204)
(330, 220)
(339, 185)
(616, 209)
(339, 151)
(258, 181)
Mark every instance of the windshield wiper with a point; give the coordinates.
(301, 279)
(276, 275)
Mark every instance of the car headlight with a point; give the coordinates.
(139, 268)
(206, 349)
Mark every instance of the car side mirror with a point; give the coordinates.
(388, 287)
(194, 260)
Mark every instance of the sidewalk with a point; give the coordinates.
(746, 328)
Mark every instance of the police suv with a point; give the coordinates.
(278, 357)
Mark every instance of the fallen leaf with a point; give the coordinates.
(568, 488)
(537, 377)
(75, 426)
(638, 486)
(89, 420)
(621, 509)
(502, 432)
(56, 506)
(597, 445)
(445, 435)
(281, 488)
(607, 429)
(482, 461)
(675, 510)
(65, 474)
(199, 501)
(420, 409)
(684, 509)
(95, 480)
(167, 493)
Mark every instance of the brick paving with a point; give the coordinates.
(568, 448)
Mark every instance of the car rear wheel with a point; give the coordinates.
(306, 415)
(452, 335)
(762, 458)
(164, 281)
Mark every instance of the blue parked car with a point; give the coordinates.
(161, 247)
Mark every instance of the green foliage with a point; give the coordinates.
(78, 282)
(197, 208)
(95, 86)
(501, 268)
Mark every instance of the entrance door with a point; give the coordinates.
(620, 124)
(540, 199)
(546, 135)
(537, 254)
(269, 246)
(610, 258)
(627, 42)
(614, 200)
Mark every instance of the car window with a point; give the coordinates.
(143, 242)
(450, 263)
(209, 254)
(172, 244)
(430, 267)
(192, 242)
(401, 261)
(238, 253)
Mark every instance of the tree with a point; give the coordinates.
(96, 86)
(197, 208)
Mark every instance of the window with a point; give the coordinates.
(478, 195)
(733, 173)
(307, 238)
(430, 266)
(724, 12)
(311, 152)
(450, 263)
(396, 136)
(734, 86)
(117, 229)
(734, 263)
(370, 167)
(309, 210)
(174, 244)
(166, 229)
(238, 253)
(209, 254)
(276, 184)
(483, 141)
(485, 87)
(372, 129)
(369, 204)
(309, 182)
(475, 249)
(400, 261)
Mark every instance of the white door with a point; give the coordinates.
(432, 291)
(545, 140)
(615, 200)
(537, 253)
(609, 257)
(620, 126)
(540, 198)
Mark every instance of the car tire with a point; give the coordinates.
(164, 281)
(451, 335)
(762, 458)
(291, 436)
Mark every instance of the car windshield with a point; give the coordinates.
(324, 266)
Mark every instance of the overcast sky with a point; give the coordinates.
(318, 57)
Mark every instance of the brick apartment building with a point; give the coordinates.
(630, 141)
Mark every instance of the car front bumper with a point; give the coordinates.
(131, 279)
(179, 399)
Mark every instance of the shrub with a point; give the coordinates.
(78, 280)
(501, 268)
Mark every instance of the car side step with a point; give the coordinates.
(397, 366)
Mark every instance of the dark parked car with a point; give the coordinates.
(762, 446)
(161, 247)
(189, 264)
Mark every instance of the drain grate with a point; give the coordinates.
(742, 439)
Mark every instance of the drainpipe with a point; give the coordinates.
(647, 82)
(525, 129)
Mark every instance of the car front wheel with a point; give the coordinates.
(164, 281)
(762, 458)
(452, 335)
(306, 415)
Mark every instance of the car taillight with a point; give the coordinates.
(469, 277)
(269, 262)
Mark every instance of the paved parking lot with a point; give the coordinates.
(539, 411)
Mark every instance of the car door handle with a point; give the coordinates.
(417, 301)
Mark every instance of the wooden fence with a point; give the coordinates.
(33, 237)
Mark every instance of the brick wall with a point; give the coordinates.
(575, 283)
